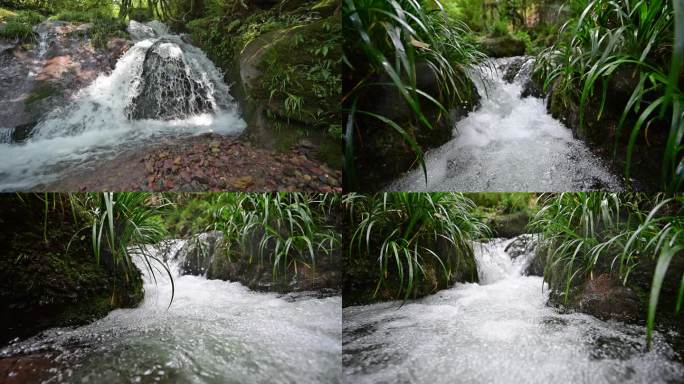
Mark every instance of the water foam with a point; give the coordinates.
(214, 332)
(96, 124)
(509, 144)
(498, 331)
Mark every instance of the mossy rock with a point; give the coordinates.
(503, 46)
(509, 225)
(599, 128)
(44, 285)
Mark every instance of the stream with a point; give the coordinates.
(497, 331)
(214, 332)
(509, 144)
(162, 87)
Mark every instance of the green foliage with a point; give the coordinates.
(16, 30)
(19, 25)
(120, 225)
(583, 232)
(106, 27)
(402, 231)
(385, 39)
(302, 88)
(504, 203)
(282, 230)
(606, 36)
(499, 28)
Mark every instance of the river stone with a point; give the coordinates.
(607, 299)
(170, 89)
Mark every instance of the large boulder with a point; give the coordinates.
(502, 46)
(606, 298)
(170, 88)
(509, 225)
(197, 253)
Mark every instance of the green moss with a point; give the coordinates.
(5, 13)
(40, 93)
(48, 276)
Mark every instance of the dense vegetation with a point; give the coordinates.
(408, 244)
(632, 51)
(90, 248)
(405, 245)
(630, 236)
(420, 54)
(281, 230)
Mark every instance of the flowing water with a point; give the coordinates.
(508, 144)
(214, 332)
(498, 331)
(161, 87)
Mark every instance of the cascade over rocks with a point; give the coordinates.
(170, 88)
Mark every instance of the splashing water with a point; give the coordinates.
(214, 332)
(509, 144)
(134, 105)
(498, 331)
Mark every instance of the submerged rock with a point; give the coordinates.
(170, 88)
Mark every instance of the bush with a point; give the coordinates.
(499, 28)
(140, 14)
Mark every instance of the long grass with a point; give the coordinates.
(384, 40)
(583, 232)
(120, 226)
(401, 231)
(284, 230)
(636, 36)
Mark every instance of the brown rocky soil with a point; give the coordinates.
(208, 162)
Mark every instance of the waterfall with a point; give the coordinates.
(499, 330)
(161, 87)
(509, 143)
(214, 332)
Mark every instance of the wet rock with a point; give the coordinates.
(503, 46)
(170, 88)
(607, 299)
(511, 70)
(522, 245)
(197, 254)
(509, 225)
(209, 254)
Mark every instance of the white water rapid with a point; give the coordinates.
(497, 331)
(509, 144)
(125, 108)
(214, 332)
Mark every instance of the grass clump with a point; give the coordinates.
(19, 25)
(285, 231)
(384, 42)
(606, 38)
(586, 233)
(412, 240)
